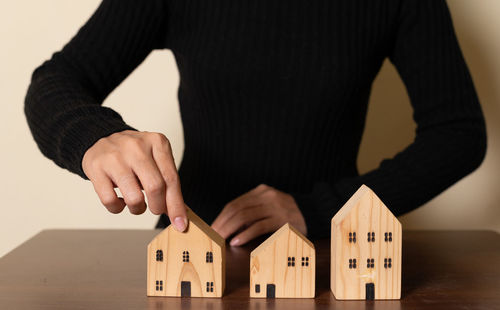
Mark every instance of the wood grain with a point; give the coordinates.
(285, 263)
(366, 249)
(106, 269)
(190, 263)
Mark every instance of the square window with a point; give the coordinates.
(352, 237)
(387, 262)
(257, 288)
(305, 261)
(352, 263)
(371, 236)
(159, 255)
(159, 285)
(370, 263)
(209, 258)
(388, 237)
(210, 287)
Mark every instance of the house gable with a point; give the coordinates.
(364, 192)
(284, 229)
(194, 219)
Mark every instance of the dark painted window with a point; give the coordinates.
(159, 255)
(352, 263)
(209, 257)
(371, 236)
(185, 256)
(159, 285)
(352, 237)
(388, 237)
(387, 262)
(257, 288)
(370, 263)
(305, 261)
(210, 287)
(291, 261)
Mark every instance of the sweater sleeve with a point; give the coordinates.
(450, 136)
(63, 105)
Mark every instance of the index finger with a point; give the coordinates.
(176, 208)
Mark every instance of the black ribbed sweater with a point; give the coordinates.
(273, 92)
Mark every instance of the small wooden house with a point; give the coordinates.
(187, 264)
(283, 266)
(365, 249)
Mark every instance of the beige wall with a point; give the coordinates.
(36, 195)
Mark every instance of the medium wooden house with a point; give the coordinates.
(283, 266)
(365, 249)
(187, 264)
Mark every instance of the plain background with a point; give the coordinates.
(36, 194)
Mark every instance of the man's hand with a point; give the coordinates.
(133, 161)
(262, 210)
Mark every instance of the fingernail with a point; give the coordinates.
(234, 242)
(180, 223)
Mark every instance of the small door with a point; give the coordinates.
(185, 289)
(271, 291)
(370, 291)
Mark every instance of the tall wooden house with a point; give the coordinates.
(187, 264)
(365, 249)
(283, 266)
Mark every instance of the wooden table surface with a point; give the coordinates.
(106, 269)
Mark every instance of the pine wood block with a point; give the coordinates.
(283, 266)
(187, 264)
(365, 249)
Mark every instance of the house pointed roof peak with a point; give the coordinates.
(284, 229)
(194, 219)
(354, 202)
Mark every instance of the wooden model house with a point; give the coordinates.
(365, 249)
(283, 266)
(187, 264)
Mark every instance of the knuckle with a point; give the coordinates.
(271, 194)
(125, 179)
(94, 164)
(135, 200)
(154, 187)
(134, 143)
(110, 157)
(171, 177)
(233, 206)
(159, 138)
(262, 186)
(245, 215)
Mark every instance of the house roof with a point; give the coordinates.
(285, 228)
(195, 219)
(204, 227)
(354, 202)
